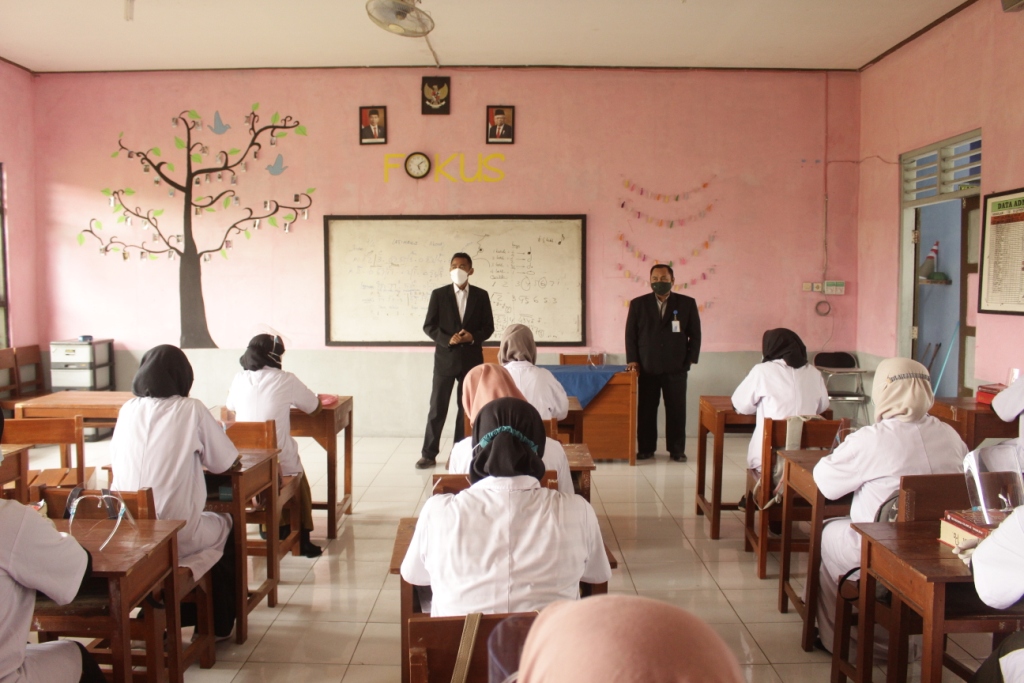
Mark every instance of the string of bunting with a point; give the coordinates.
(665, 196)
(629, 206)
(640, 277)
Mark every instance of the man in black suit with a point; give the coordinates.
(500, 130)
(459, 321)
(662, 342)
(373, 132)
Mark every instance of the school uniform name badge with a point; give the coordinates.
(675, 321)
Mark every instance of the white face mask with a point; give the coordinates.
(459, 276)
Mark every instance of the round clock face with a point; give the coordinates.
(417, 165)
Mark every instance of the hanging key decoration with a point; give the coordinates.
(245, 166)
(287, 226)
(220, 177)
(237, 201)
(234, 179)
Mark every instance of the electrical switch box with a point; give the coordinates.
(836, 287)
(807, 286)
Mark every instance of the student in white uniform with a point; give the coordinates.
(783, 385)
(483, 384)
(162, 440)
(34, 557)
(263, 391)
(505, 544)
(518, 354)
(904, 440)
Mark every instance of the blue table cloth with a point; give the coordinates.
(583, 381)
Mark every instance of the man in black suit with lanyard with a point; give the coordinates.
(459, 321)
(662, 342)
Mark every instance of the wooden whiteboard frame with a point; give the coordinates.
(582, 218)
(984, 263)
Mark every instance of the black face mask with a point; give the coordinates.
(661, 288)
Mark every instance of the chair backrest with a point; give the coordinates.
(490, 354)
(581, 359)
(256, 435)
(926, 497)
(834, 359)
(551, 428)
(434, 647)
(140, 503)
(816, 434)
(60, 431)
(25, 356)
(454, 483)
(8, 363)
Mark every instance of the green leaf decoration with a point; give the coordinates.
(275, 118)
(121, 135)
(273, 221)
(300, 130)
(153, 257)
(255, 106)
(117, 207)
(121, 219)
(248, 235)
(211, 208)
(310, 190)
(115, 153)
(233, 151)
(99, 226)
(81, 238)
(115, 249)
(129, 191)
(158, 213)
(281, 134)
(155, 151)
(224, 253)
(197, 158)
(179, 143)
(290, 217)
(106, 192)
(170, 167)
(193, 114)
(227, 202)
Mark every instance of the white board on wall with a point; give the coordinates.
(380, 271)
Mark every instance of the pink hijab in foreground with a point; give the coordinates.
(624, 639)
(483, 384)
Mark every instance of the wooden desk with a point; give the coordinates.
(135, 563)
(609, 420)
(580, 467)
(14, 468)
(100, 409)
(573, 422)
(927, 577)
(798, 481)
(717, 418)
(255, 474)
(324, 427)
(973, 421)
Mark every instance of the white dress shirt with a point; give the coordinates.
(269, 394)
(774, 390)
(163, 444)
(554, 459)
(33, 556)
(504, 545)
(461, 295)
(541, 389)
(998, 563)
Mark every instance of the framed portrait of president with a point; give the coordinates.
(500, 124)
(373, 125)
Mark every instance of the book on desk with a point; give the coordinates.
(958, 526)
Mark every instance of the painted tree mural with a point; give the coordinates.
(201, 171)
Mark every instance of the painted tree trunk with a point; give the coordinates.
(194, 332)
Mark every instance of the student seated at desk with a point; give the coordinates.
(624, 639)
(505, 544)
(904, 440)
(518, 354)
(263, 391)
(782, 385)
(483, 384)
(162, 441)
(35, 557)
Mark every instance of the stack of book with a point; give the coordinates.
(961, 525)
(987, 392)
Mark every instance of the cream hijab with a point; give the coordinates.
(902, 389)
(517, 344)
(624, 639)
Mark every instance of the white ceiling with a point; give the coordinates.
(92, 35)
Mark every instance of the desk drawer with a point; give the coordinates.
(80, 378)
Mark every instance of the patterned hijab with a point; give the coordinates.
(902, 388)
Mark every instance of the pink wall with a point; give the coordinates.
(955, 78)
(760, 137)
(17, 154)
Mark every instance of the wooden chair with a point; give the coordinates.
(434, 646)
(816, 434)
(581, 359)
(490, 354)
(62, 431)
(455, 483)
(9, 388)
(34, 386)
(80, 617)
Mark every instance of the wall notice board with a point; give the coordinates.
(380, 271)
(1001, 283)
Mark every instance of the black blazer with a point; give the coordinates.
(443, 321)
(650, 340)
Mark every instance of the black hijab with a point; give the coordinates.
(784, 344)
(508, 441)
(264, 350)
(165, 372)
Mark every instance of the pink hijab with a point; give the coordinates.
(624, 639)
(483, 384)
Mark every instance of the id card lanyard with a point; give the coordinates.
(675, 321)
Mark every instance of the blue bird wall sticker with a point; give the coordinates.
(219, 127)
(278, 167)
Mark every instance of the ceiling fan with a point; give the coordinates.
(400, 17)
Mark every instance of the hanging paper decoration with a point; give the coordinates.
(666, 196)
(630, 208)
(681, 282)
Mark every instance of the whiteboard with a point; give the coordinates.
(380, 271)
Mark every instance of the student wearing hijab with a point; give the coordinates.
(624, 639)
(263, 391)
(518, 354)
(483, 384)
(34, 557)
(904, 440)
(163, 440)
(505, 544)
(782, 385)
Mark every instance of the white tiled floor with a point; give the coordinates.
(337, 619)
